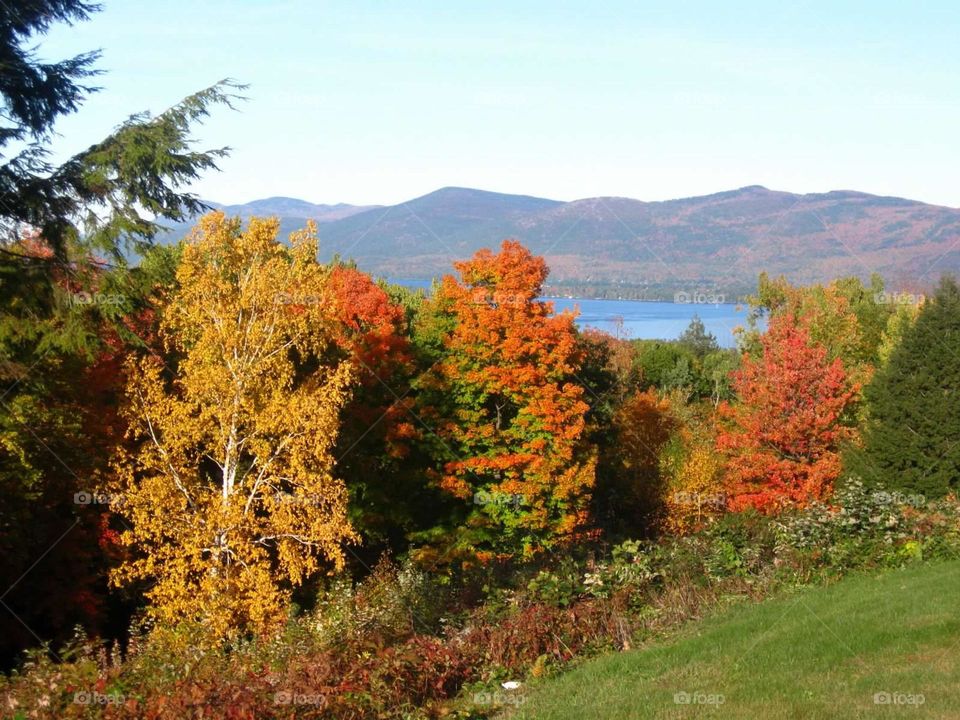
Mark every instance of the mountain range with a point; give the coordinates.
(720, 241)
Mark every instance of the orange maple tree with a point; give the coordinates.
(782, 438)
(505, 406)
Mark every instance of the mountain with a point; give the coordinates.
(421, 237)
(285, 207)
(721, 241)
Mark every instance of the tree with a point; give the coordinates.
(666, 365)
(782, 438)
(505, 409)
(59, 423)
(696, 338)
(716, 369)
(845, 317)
(228, 487)
(897, 325)
(103, 197)
(377, 449)
(35, 93)
(631, 492)
(695, 493)
(911, 441)
(105, 201)
(64, 308)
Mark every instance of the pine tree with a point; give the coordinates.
(97, 198)
(912, 440)
(697, 339)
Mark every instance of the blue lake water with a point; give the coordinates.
(639, 320)
(642, 320)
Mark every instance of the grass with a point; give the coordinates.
(819, 653)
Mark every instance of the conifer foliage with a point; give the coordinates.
(912, 438)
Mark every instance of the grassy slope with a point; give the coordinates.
(820, 653)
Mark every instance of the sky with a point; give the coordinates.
(379, 102)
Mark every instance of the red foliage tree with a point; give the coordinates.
(782, 438)
(370, 323)
(374, 452)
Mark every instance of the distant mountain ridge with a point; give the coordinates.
(719, 240)
(287, 207)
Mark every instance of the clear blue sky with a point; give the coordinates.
(377, 102)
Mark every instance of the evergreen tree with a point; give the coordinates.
(912, 440)
(97, 198)
(697, 339)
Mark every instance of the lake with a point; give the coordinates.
(643, 320)
(640, 320)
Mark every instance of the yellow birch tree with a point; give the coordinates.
(227, 484)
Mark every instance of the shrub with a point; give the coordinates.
(392, 603)
(865, 527)
(538, 633)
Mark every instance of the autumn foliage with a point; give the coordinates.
(695, 493)
(504, 405)
(782, 438)
(272, 419)
(227, 491)
(642, 427)
(375, 451)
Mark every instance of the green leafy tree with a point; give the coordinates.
(664, 365)
(912, 438)
(715, 370)
(847, 317)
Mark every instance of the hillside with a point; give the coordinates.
(722, 240)
(869, 646)
(293, 209)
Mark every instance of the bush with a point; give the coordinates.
(866, 527)
(539, 634)
(391, 604)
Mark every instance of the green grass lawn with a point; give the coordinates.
(820, 653)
